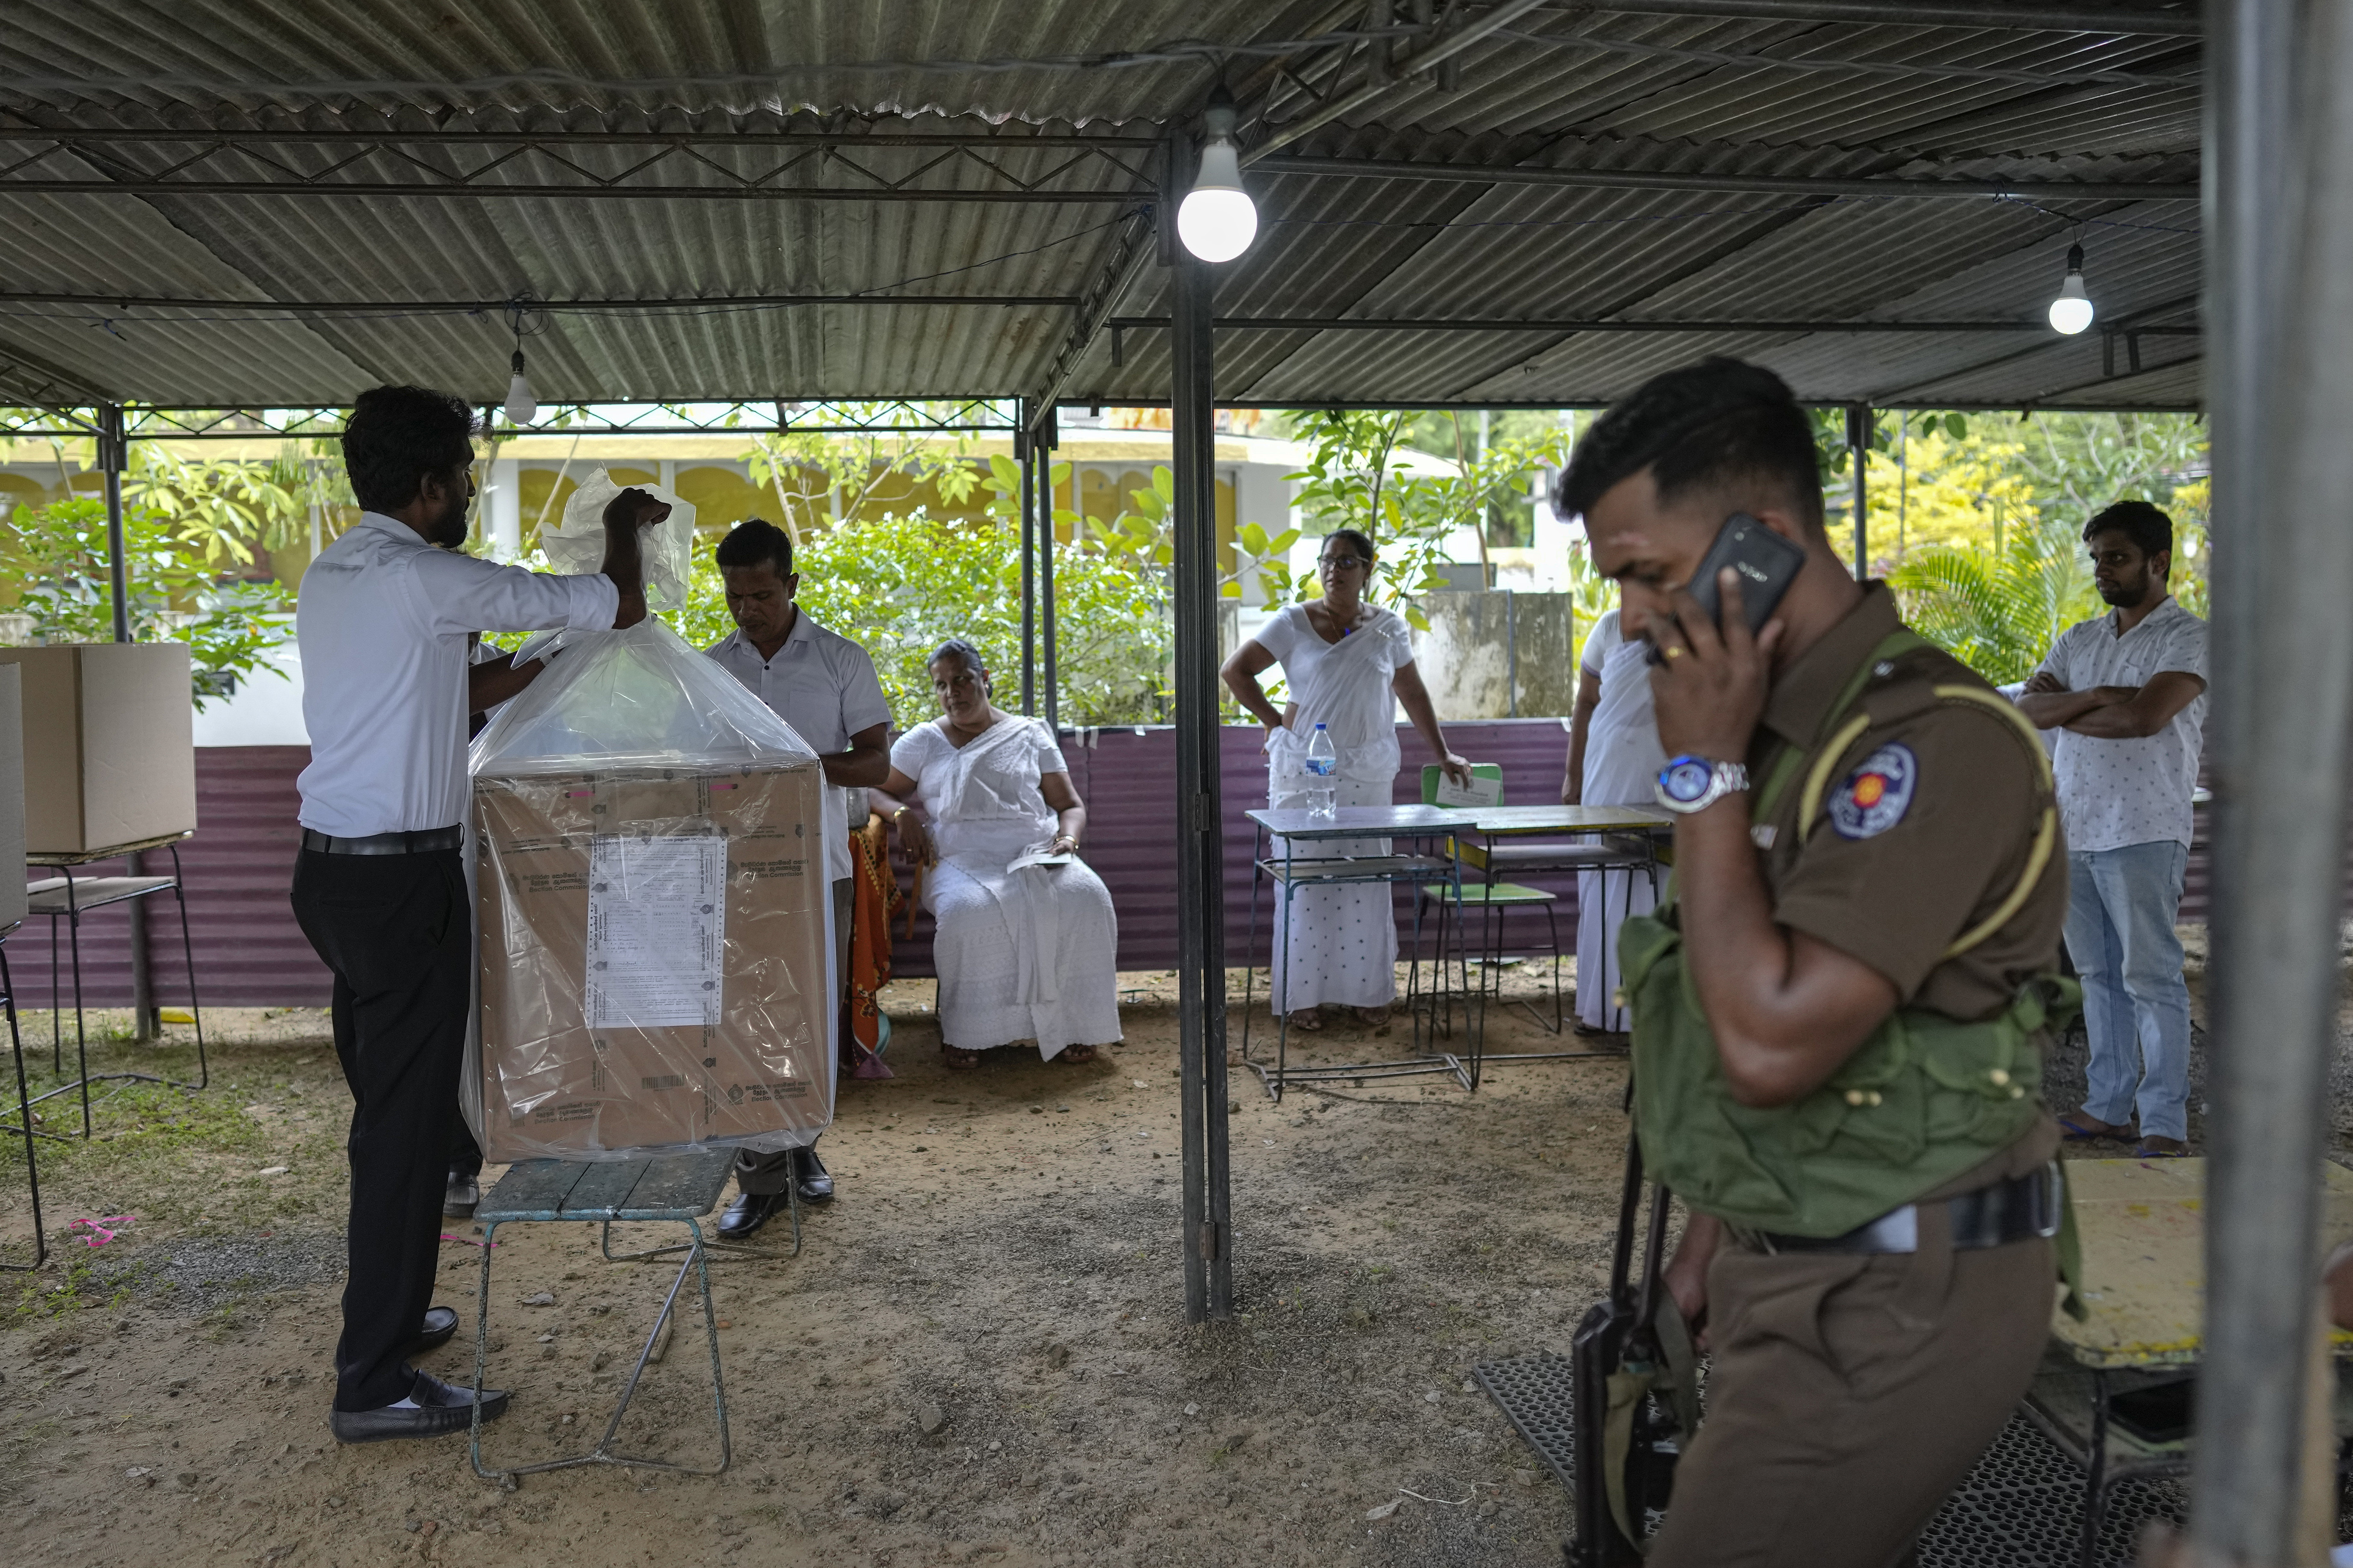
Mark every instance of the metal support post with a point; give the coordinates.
(1201, 875)
(1021, 455)
(1043, 441)
(113, 456)
(1858, 446)
(2279, 306)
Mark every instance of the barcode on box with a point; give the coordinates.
(667, 1081)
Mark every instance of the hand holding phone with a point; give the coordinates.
(1767, 564)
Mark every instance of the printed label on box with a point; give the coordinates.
(657, 939)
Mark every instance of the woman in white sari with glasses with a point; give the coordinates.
(1347, 663)
(1023, 953)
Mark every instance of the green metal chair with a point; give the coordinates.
(1495, 900)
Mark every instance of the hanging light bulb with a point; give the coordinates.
(522, 408)
(2070, 312)
(1217, 220)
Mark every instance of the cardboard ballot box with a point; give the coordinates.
(109, 743)
(653, 959)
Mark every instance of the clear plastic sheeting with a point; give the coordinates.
(653, 903)
(576, 543)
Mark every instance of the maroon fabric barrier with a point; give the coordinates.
(249, 952)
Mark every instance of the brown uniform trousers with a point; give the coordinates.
(1847, 1395)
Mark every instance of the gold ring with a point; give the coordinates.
(1672, 651)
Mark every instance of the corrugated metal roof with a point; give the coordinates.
(1564, 88)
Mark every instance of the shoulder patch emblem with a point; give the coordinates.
(1875, 796)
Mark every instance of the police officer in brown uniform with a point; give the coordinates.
(1840, 1018)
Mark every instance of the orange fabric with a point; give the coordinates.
(874, 900)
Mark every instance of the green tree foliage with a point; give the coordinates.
(820, 478)
(1999, 596)
(57, 553)
(900, 586)
(1359, 474)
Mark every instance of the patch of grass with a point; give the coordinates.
(187, 1160)
(38, 1299)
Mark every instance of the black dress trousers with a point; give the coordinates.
(397, 931)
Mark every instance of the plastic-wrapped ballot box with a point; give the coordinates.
(653, 937)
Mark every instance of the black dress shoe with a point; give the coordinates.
(464, 1192)
(440, 1323)
(809, 1172)
(441, 1408)
(747, 1214)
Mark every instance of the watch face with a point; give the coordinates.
(1686, 778)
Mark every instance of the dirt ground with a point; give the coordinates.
(980, 1355)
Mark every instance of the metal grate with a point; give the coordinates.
(2021, 1508)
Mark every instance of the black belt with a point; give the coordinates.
(416, 843)
(2016, 1210)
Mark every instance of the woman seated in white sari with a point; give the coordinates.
(1025, 954)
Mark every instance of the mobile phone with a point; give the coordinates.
(1767, 563)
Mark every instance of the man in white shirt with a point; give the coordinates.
(823, 685)
(2127, 694)
(385, 619)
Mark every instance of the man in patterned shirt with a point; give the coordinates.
(2127, 694)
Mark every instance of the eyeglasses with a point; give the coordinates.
(1344, 563)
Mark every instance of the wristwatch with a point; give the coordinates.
(1689, 783)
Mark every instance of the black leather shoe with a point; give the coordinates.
(464, 1192)
(441, 1408)
(747, 1214)
(809, 1174)
(440, 1323)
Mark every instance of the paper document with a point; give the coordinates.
(1041, 855)
(1479, 792)
(657, 930)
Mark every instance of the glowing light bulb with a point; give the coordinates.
(523, 407)
(1217, 220)
(2071, 312)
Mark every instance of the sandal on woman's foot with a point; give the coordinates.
(1373, 1017)
(2077, 1127)
(2161, 1148)
(959, 1060)
(1077, 1055)
(1305, 1019)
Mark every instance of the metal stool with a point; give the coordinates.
(1500, 898)
(678, 1188)
(68, 899)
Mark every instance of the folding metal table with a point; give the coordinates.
(68, 897)
(2142, 1226)
(1498, 846)
(1290, 871)
(679, 1188)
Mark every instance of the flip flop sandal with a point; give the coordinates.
(1304, 1019)
(959, 1060)
(2148, 1152)
(2074, 1131)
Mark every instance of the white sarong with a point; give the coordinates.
(1622, 759)
(1022, 955)
(1340, 944)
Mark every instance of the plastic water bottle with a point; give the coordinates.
(1323, 764)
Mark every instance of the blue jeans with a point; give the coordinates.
(2121, 905)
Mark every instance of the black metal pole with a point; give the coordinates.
(1200, 878)
(113, 456)
(1858, 446)
(1023, 451)
(2278, 227)
(1042, 442)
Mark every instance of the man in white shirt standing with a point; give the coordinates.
(823, 685)
(2127, 693)
(383, 621)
